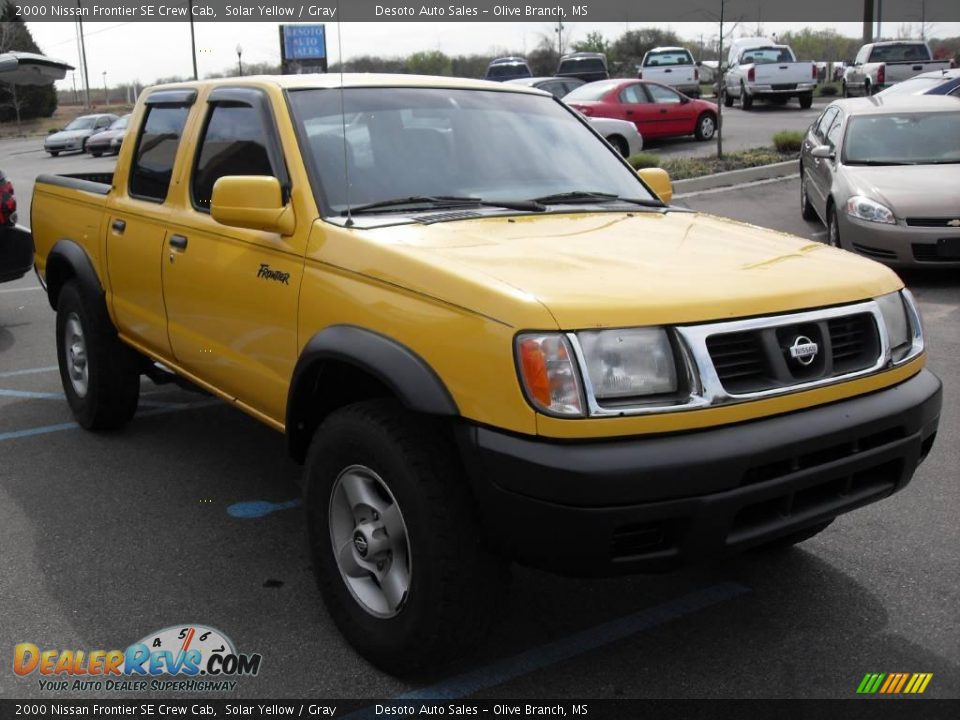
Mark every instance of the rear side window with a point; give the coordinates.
(156, 151)
(668, 57)
(234, 143)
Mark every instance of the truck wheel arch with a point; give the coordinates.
(67, 260)
(382, 364)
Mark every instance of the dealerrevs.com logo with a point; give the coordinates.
(199, 657)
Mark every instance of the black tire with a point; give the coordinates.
(833, 230)
(454, 584)
(746, 100)
(806, 100)
(706, 126)
(53, 153)
(795, 538)
(107, 397)
(846, 90)
(96, 153)
(727, 98)
(620, 144)
(867, 88)
(806, 208)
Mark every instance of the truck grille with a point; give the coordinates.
(771, 357)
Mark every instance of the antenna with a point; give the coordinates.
(343, 121)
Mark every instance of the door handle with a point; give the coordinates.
(178, 241)
(629, 112)
(119, 226)
(663, 111)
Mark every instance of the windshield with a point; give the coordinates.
(899, 53)
(668, 57)
(766, 55)
(582, 65)
(591, 91)
(120, 123)
(903, 139)
(407, 142)
(82, 123)
(511, 70)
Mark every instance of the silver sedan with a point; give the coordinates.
(883, 174)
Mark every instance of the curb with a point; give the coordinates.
(735, 177)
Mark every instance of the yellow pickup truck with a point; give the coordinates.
(484, 335)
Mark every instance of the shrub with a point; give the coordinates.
(788, 141)
(644, 160)
(828, 90)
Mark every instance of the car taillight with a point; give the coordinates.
(881, 74)
(584, 109)
(8, 203)
(751, 74)
(815, 75)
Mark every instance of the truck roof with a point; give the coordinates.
(335, 80)
(880, 43)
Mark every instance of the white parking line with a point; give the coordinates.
(740, 186)
(26, 289)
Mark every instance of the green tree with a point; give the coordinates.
(628, 50)
(595, 42)
(21, 102)
(431, 62)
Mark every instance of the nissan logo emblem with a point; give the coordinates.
(360, 543)
(804, 350)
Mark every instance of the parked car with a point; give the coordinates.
(938, 82)
(883, 174)
(882, 64)
(16, 244)
(760, 69)
(672, 66)
(556, 86)
(587, 66)
(109, 140)
(507, 68)
(73, 138)
(656, 110)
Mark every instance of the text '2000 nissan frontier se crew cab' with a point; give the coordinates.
(486, 337)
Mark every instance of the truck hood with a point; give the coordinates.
(916, 191)
(620, 269)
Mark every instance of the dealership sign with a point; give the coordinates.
(303, 48)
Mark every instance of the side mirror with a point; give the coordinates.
(252, 201)
(658, 180)
(684, 99)
(823, 151)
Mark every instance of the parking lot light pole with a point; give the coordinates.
(239, 59)
(106, 93)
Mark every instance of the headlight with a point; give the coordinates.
(115, 141)
(549, 374)
(866, 209)
(629, 362)
(902, 321)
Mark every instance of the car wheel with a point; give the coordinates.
(795, 538)
(727, 98)
(846, 90)
(96, 153)
(806, 209)
(706, 126)
(746, 100)
(620, 144)
(99, 374)
(53, 153)
(867, 89)
(833, 229)
(806, 100)
(394, 537)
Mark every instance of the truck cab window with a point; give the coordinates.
(156, 151)
(234, 143)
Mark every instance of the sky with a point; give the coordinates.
(140, 51)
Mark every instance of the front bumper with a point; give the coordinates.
(64, 146)
(16, 252)
(898, 245)
(651, 503)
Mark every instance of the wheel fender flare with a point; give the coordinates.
(404, 372)
(67, 259)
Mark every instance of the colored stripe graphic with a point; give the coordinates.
(894, 683)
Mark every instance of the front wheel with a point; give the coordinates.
(806, 100)
(394, 537)
(96, 153)
(833, 229)
(727, 98)
(806, 207)
(53, 153)
(706, 126)
(99, 374)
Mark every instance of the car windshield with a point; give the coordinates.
(423, 142)
(908, 138)
(582, 65)
(671, 57)
(120, 123)
(591, 91)
(82, 123)
(511, 70)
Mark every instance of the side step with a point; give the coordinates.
(160, 374)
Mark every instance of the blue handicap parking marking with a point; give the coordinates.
(259, 508)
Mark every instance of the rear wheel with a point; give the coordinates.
(746, 100)
(846, 90)
(706, 126)
(394, 537)
(806, 209)
(620, 144)
(806, 100)
(100, 375)
(96, 153)
(867, 88)
(53, 153)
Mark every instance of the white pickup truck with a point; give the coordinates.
(673, 66)
(758, 68)
(882, 64)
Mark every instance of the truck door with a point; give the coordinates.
(232, 293)
(137, 219)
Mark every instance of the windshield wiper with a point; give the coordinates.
(444, 201)
(590, 196)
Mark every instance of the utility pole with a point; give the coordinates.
(559, 31)
(83, 59)
(193, 41)
(867, 21)
(106, 93)
(720, 86)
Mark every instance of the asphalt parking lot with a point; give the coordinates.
(190, 516)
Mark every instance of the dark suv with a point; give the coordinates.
(507, 68)
(587, 66)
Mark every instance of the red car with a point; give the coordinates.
(656, 110)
